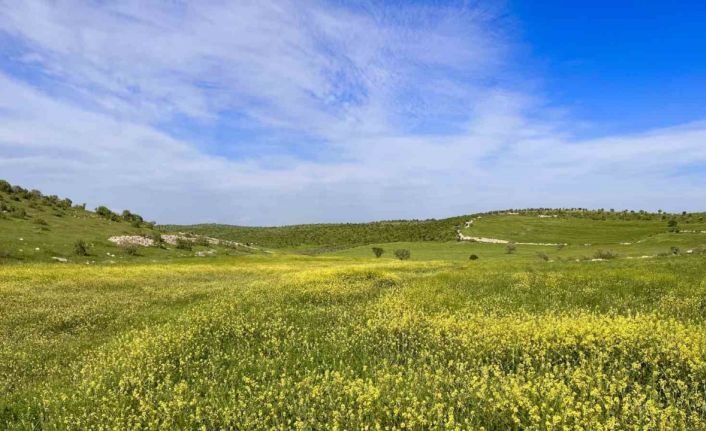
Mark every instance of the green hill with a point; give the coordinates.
(571, 226)
(325, 236)
(36, 227)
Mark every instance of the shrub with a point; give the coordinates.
(510, 248)
(130, 249)
(672, 226)
(473, 257)
(605, 254)
(377, 251)
(674, 250)
(202, 241)
(5, 186)
(40, 221)
(542, 256)
(105, 212)
(157, 239)
(18, 213)
(402, 254)
(81, 248)
(183, 244)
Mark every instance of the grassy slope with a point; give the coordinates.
(646, 237)
(321, 236)
(37, 231)
(574, 227)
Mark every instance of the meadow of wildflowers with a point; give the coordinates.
(287, 343)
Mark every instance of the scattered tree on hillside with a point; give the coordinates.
(673, 225)
(510, 248)
(183, 244)
(81, 248)
(402, 254)
(377, 251)
(473, 257)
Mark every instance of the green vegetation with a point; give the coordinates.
(323, 343)
(328, 235)
(595, 320)
(39, 228)
(402, 254)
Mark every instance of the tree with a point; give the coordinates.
(402, 254)
(81, 248)
(183, 244)
(377, 251)
(473, 257)
(510, 248)
(672, 226)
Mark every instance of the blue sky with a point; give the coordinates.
(277, 111)
(626, 66)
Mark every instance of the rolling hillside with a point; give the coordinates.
(39, 228)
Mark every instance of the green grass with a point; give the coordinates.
(315, 237)
(281, 342)
(572, 230)
(37, 230)
(320, 335)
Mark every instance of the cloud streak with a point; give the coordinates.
(317, 112)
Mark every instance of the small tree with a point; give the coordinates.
(402, 254)
(183, 244)
(605, 254)
(81, 248)
(510, 248)
(157, 239)
(473, 257)
(672, 226)
(130, 249)
(377, 251)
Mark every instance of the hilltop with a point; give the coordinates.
(38, 227)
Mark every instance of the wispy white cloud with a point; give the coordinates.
(415, 107)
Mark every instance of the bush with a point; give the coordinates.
(40, 221)
(402, 254)
(202, 241)
(674, 250)
(183, 244)
(473, 257)
(18, 213)
(510, 248)
(130, 249)
(672, 226)
(106, 213)
(605, 254)
(5, 186)
(81, 248)
(157, 239)
(543, 256)
(377, 251)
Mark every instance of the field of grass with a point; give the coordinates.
(607, 332)
(285, 342)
